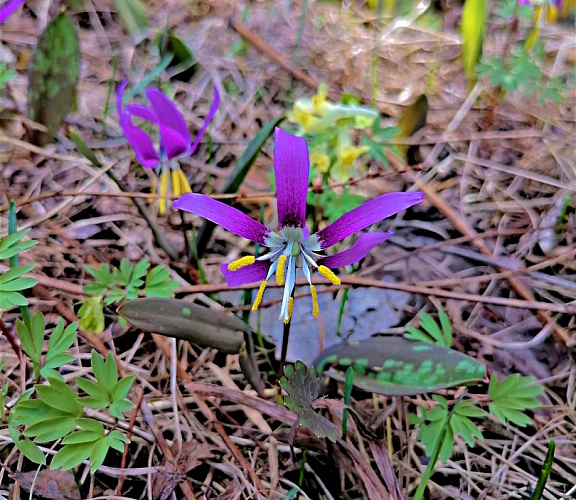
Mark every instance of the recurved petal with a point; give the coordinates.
(173, 143)
(356, 252)
(140, 141)
(365, 215)
(207, 120)
(224, 215)
(292, 170)
(167, 113)
(141, 111)
(119, 95)
(249, 274)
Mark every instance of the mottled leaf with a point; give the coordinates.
(397, 366)
(53, 76)
(186, 321)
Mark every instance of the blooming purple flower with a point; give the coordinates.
(294, 246)
(175, 141)
(9, 8)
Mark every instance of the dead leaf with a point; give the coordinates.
(57, 484)
(191, 456)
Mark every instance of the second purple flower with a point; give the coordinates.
(175, 140)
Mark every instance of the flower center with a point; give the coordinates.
(288, 250)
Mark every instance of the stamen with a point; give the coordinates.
(280, 270)
(315, 308)
(259, 295)
(184, 185)
(175, 183)
(329, 275)
(163, 192)
(241, 262)
(290, 310)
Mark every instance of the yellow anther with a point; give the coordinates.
(241, 262)
(290, 310)
(163, 192)
(315, 308)
(184, 186)
(329, 275)
(175, 182)
(259, 296)
(280, 270)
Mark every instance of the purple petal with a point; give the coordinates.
(173, 128)
(119, 94)
(140, 141)
(356, 252)
(8, 9)
(224, 215)
(141, 111)
(365, 215)
(292, 169)
(249, 274)
(207, 120)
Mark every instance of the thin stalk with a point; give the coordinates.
(545, 472)
(348, 384)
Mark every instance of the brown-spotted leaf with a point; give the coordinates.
(52, 77)
(186, 321)
(396, 366)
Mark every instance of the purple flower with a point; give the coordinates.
(175, 141)
(294, 246)
(9, 8)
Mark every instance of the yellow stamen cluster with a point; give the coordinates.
(329, 275)
(280, 270)
(259, 295)
(241, 262)
(315, 307)
(290, 310)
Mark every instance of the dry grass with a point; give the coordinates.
(494, 179)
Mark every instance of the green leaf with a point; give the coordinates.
(335, 205)
(10, 245)
(29, 412)
(431, 423)
(133, 15)
(111, 373)
(433, 334)
(91, 315)
(397, 366)
(89, 424)
(302, 388)
(473, 27)
(31, 451)
(98, 454)
(182, 56)
(33, 338)
(510, 398)
(59, 396)
(11, 283)
(159, 283)
(118, 407)
(50, 429)
(82, 437)
(97, 391)
(117, 440)
(52, 78)
(71, 455)
(121, 388)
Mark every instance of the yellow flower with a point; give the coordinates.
(346, 155)
(320, 159)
